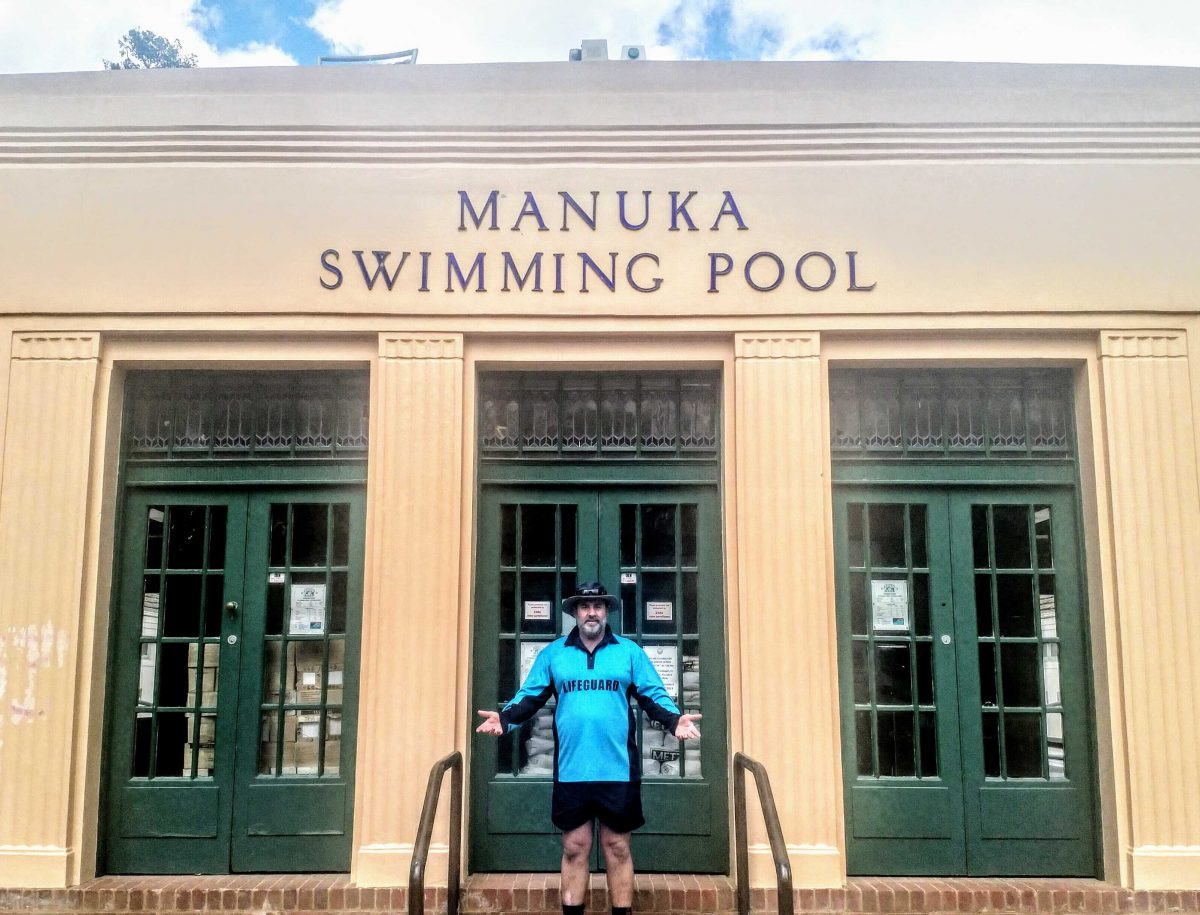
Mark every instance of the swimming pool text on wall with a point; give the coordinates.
(584, 271)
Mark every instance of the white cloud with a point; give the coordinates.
(1066, 31)
(484, 30)
(60, 35)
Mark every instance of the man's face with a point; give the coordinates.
(590, 616)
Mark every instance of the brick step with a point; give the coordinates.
(537, 894)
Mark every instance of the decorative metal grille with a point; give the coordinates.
(246, 415)
(643, 415)
(995, 415)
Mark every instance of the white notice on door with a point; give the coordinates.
(529, 653)
(666, 663)
(537, 609)
(659, 610)
(889, 605)
(308, 609)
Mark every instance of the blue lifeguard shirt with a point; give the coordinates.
(595, 737)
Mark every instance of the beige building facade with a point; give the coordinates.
(834, 250)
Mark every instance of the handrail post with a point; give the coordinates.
(740, 837)
(416, 873)
(783, 865)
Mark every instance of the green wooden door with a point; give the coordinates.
(661, 547)
(967, 745)
(234, 681)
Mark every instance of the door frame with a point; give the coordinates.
(891, 480)
(197, 481)
(611, 485)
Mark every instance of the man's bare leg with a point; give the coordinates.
(577, 847)
(618, 862)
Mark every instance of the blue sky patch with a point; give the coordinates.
(233, 23)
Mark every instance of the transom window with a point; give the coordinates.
(197, 415)
(907, 413)
(567, 416)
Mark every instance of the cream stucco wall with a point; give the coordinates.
(1001, 215)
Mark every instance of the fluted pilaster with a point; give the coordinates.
(1150, 428)
(410, 613)
(788, 649)
(43, 520)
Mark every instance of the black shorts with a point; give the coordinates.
(618, 805)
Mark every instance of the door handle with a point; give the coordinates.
(231, 607)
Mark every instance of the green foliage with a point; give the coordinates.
(142, 49)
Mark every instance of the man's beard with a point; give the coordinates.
(591, 627)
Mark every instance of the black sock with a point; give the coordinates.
(572, 909)
(622, 910)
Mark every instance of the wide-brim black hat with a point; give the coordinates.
(588, 590)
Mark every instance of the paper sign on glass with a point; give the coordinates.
(629, 578)
(529, 653)
(537, 609)
(889, 605)
(659, 610)
(308, 609)
(666, 663)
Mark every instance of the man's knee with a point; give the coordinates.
(616, 846)
(577, 843)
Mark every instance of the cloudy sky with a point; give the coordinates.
(56, 35)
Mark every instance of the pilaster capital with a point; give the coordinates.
(1142, 344)
(777, 346)
(57, 346)
(420, 346)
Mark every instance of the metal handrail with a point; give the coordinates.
(783, 865)
(416, 873)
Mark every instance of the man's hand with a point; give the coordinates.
(685, 730)
(491, 724)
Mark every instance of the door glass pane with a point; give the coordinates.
(891, 637)
(862, 674)
(920, 553)
(658, 535)
(1019, 674)
(1014, 603)
(1011, 536)
(310, 534)
(687, 527)
(185, 537)
(929, 748)
(893, 674)
(897, 754)
(151, 604)
(920, 603)
(537, 535)
(887, 536)
(1023, 745)
(1018, 643)
(979, 536)
(855, 556)
(538, 571)
(341, 535)
(858, 603)
(182, 608)
(304, 653)
(863, 742)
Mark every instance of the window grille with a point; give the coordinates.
(275, 416)
(996, 415)
(568, 416)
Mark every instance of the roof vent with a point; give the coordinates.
(597, 49)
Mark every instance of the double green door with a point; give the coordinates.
(966, 725)
(233, 687)
(659, 549)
